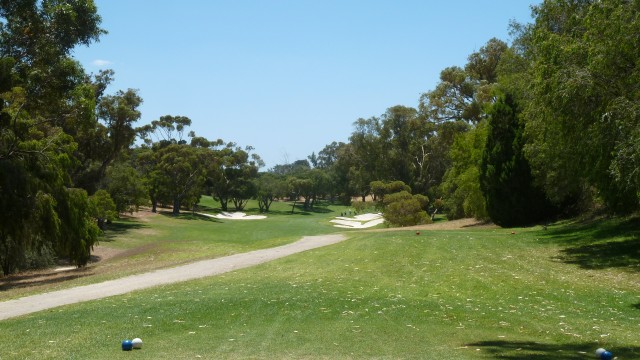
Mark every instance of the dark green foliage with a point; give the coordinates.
(582, 112)
(102, 208)
(505, 175)
(78, 230)
(461, 184)
(181, 174)
(269, 187)
(50, 137)
(380, 188)
(400, 207)
(126, 187)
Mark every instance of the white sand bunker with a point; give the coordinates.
(235, 216)
(359, 221)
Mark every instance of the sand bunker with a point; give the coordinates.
(359, 221)
(235, 216)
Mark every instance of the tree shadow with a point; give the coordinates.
(637, 306)
(618, 254)
(599, 245)
(25, 280)
(120, 227)
(190, 216)
(539, 351)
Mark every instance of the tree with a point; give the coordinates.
(453, 99)
(79, 232)
(483, 65)
(126, 187)
(181, 174)
(363, 159)
(460, 187)
(400, 138)
(299, 187)
(269, 187)
(119, 112)
(167, 129)
(582, 116)
(102, 208)
(400, 207)
(44, 94)
(145, 161)
(380, 188)
(505, 176)
(230, 176)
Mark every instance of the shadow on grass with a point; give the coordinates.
(538, 351)
(189, 216)
(120, 227)
(619, 254)
(600, 244)
(36, 279)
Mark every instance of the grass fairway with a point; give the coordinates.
(459, 294)
(163, 240)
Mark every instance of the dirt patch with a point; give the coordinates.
(101, 253)
(142, 214)
(118, 254)
(445, 225)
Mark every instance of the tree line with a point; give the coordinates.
(546, 125)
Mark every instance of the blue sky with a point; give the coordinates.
(288, 76)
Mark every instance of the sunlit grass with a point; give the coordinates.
(464, 294)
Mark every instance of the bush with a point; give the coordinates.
(406, 212)
(359, 206)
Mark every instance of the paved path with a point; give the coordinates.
(31, 304)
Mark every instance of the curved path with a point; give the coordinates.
(31, 304)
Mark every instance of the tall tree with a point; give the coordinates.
(460, 187)
(505, 176)
(231, 176)
(582, 117)
(43, 92)
(182, 174)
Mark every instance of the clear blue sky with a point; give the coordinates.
(288, 76)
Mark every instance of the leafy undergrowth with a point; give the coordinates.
(462, 294)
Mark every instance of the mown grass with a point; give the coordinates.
(163, 240)
(463, 294)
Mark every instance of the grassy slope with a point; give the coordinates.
(163, 240)
(468, 294)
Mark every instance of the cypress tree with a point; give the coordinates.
(505, 176)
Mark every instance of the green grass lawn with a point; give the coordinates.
(461, 294)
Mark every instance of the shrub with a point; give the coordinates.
(406, 212)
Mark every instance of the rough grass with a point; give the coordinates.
(464, 294)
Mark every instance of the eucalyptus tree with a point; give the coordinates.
(364, 159)
(230, 177)
(181, 174)
(583, 113)
(269, 186)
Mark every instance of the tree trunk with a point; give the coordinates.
(176, 206)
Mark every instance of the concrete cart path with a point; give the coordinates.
(200, 269)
